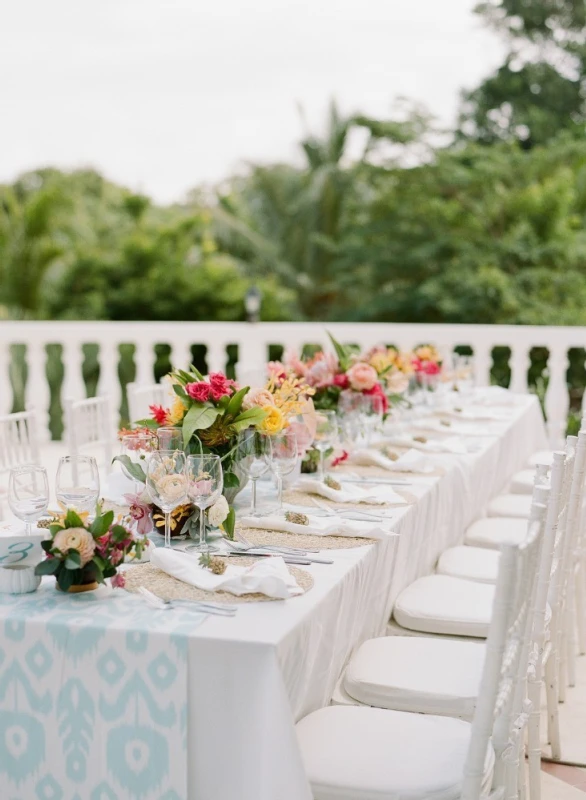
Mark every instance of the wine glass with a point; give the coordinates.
(138, 447)
(167, 484)
(283, 459)
(77, 484)
(326, 435)
(253, 453)
(351, 420)
(205, 484)
(170, 438)
(28, 493)
(372, 413)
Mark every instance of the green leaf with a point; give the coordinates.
(131, 467)
(72, 560)
(119, 533)
(235, 404)
(101, 524)
(48, 567)
(248, 419)
(224, 401)
(180, 391)
(55, 528)
(196, 372)
(68, 577)
(198, 418)
(231, 481)
(229, 523)
(342, 352)
(109, 571)
(47, 545)
(72, 520)
(152, 424)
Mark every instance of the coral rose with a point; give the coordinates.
(362, 376)
(200, 391)
(257, 398)
(76, 539)
(274, 422)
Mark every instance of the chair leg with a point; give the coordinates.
(570, 628)
(561, 657)
(553, 726)
(580, 597)
(534, 745)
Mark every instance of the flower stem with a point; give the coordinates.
(167, 529)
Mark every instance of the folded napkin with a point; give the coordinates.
(451, 445)
(411, 461)
(318, 526)
(268, 576)
(350, 493)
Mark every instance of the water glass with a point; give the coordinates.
(139, 448)
(169, 438)
(283, 459)
(205, 485)
(372, 413)
(77, 484)
(326, 436)
(253, 453)
(28, 493)
(167, 484)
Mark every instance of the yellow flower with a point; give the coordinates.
(176, 412)
(274, 422)
(380, 361)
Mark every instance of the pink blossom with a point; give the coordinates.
(118, 581)
(140, 513)
(362, 376)
(431, 368)
(200, 391)
(341, 380)
(321, 371)
(116, 556)
(379, 398)
(294, 363)
(220, 385)
(201, 488)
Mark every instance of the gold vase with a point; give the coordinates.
(81, 587)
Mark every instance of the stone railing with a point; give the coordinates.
(26, 348)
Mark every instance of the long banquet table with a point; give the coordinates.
(103, 699)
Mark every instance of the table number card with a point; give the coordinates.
(18, 548)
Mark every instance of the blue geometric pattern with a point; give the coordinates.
(93, 691)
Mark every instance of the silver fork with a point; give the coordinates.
(333, 512)
(248, 545)
(167, 605)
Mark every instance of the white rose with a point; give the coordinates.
(218, 512)
(397, 382)
(257, 397)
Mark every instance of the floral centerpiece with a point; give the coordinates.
(82, 555)
(392, 367)
(427, 360)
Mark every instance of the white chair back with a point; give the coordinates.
(90, 430)
(505, 658)
(18, 440)
(141, 397)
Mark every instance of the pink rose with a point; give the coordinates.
(276, 370)
(118, 581)
(201, 488)
(380, 404)
(342, 381)
(362, 377)
(431, 368)
(200, 392)
(322, 371)
(220, 384)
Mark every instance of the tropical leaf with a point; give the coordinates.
(198, 418)
(102, 523)
(149, 423)
(229, 523)
(131, 467)
(235, 404)
(48, 567)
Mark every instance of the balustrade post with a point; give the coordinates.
(252, 350)
(37, 392)
(482, 364)
(6, 394)
(73, 383)
(109, 382)
(144, 362)
(557, 399)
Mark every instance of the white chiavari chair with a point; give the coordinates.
(358, 753)
(141, 397)
(90, 429)
(19, 444)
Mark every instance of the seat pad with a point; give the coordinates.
(491, 532)
(471, 563)
(358, 753)
(510, 505)
(523, 482)
(412, 673)
(541, 457)
(442, 604)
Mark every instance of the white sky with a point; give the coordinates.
(164, 94)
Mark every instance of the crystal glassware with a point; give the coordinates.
(326, 436)
(167, 484)
(283, 459)
(77, 484)
(139, 448)
(254, 459)
(205, 484)
(28, 493)
(169, 438)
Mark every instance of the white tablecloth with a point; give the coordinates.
(250, 678)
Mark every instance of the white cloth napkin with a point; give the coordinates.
(268, 576)
(411, 461)
(318, 526)
(450, 445)
(350, 493)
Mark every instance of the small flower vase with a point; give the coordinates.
(231, 492)
(82, 587)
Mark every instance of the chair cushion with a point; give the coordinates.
(523, 482)
(510, 505)
(358, 753)
(411, 673)
(541, 457)
(442, 604)
(491, 532)
(471, 563)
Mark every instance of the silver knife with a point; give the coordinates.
(286, 559)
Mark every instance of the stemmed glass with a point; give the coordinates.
(254, 458)
(167, 484)
(170, 438)
(372, 412)
(326, 435)
(139, 448)
(205, 484)
(78, 483)
(283, 459)
(28, 493)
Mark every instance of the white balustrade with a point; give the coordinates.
(253, 342)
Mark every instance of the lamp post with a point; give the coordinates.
(252, 303)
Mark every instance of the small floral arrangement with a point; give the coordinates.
(184, 518)
(78, 554)
(392, 367)
(427, 360)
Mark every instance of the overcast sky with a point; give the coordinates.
(164, 94)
